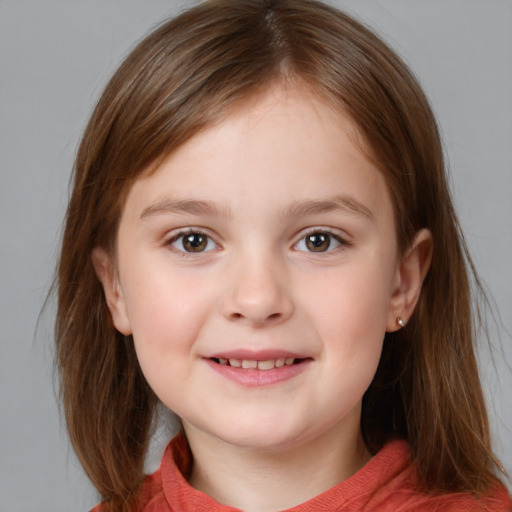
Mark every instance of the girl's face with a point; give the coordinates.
(257, 270)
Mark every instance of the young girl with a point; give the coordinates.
(261, 238)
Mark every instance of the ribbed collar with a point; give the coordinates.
(389, 466)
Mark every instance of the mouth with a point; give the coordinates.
(253, 364)
(256, 369)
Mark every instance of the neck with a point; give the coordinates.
(266, 480)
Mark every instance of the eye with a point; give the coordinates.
(192, 241)
(319, 241)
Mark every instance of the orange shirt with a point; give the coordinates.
(385, 484)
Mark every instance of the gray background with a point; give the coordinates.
(55, 57)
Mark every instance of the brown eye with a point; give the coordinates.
(318, 242)
(193, 242)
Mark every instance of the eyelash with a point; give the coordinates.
(342, 243)
(175, 238)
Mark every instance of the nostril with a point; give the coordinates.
(271, 317)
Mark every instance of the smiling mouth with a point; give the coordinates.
(249, 364)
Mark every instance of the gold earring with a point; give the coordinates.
(400, 321)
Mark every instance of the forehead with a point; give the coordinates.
(283, 144)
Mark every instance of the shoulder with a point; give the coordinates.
(150, 497)
(496, 500)
(395, 488)
(389, 483)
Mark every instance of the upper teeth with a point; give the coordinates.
(260, 365)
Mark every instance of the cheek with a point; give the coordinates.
(167, 313)
(356, 298)
(350, 311)
(165, 300)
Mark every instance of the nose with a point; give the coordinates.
(258, 294)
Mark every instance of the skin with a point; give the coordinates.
(280, 167)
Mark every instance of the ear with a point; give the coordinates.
(106, 272)
(409, 279)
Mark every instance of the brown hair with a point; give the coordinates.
(182, 78)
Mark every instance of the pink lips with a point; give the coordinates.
(239, 366)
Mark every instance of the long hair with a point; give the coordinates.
(185, 76)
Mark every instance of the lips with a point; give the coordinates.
(261, 359)
(268, 364)
(261, 368)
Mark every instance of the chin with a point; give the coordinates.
(262, 443)
(264, 436)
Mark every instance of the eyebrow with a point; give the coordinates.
(189, 206)
(301, 208)
(344, 203)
